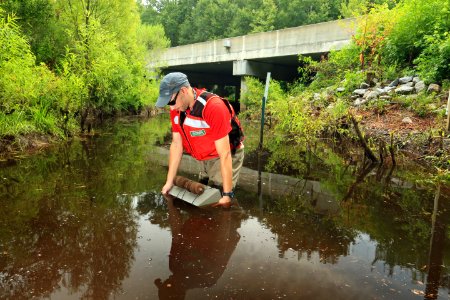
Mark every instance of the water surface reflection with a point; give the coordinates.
(202, 244)
(86, 221)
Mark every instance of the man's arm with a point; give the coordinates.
(175, 154)
(223, 149)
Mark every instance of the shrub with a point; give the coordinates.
(433, 64)
(416, 20)
(28, 91)
(330, 71)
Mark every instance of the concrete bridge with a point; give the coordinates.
(225, 62)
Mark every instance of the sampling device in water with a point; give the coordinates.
(194, 192)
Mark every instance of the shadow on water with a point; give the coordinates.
(86, 221)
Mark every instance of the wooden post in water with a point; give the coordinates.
(448, 112)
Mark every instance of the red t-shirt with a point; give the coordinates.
(216, 115)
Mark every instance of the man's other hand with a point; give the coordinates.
(224, 202)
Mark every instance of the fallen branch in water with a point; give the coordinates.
(368, 152)
(391, 150)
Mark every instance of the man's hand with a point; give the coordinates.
(224, 202)
(166, 188)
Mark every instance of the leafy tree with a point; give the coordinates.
(108, 54)
(189, 21)
(149, 15)
(209, 20)
(243, 17)
(38, 21)
(373, 29)
(264, 17)
(322, 11)
(102, 68)
(354, 8)
(433, 64)
(421, 37)
(292, 13)
(416, 21)
(29, 92)
(171, 14)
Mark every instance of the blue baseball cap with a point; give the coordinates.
(170, 84)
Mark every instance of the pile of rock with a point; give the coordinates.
(401, 86)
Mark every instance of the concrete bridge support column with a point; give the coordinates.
(260, 69)
(242, 90)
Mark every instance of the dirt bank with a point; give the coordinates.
(418, 137)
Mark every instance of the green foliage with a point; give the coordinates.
(15, 124)
(391, 37)
(98, 62)
(37, 20)
(152, 38)
(421, 104)
(294, 123)
(372, 30)
(433, 64)
(338, 110)
(264, 18)
(416, 22)
(29, 102)
(334, 69)
(390, 72)
(355, 8)
(210, 20)
(378, 106)
(254, 93)
(307, 69)
(293, 13)
(352, 79)
(190, 21)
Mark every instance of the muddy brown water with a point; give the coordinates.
(85, 220)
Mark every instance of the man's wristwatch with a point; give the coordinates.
(229, 194)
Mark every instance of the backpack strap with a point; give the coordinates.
(236, 134)
(207, 95)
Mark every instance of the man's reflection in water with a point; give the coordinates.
(202, 243)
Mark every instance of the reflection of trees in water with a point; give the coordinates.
(396, 218)
(89, 249)
(311, 233)
(155, 205)
(61, 224)
(299, 228)
(398, 215)
(64, 227)
(438, 274)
